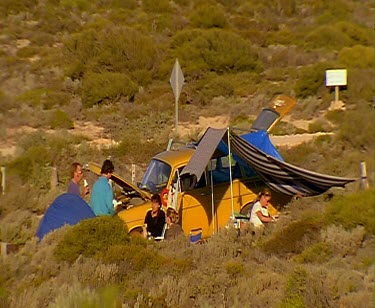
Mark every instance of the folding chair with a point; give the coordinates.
(195, 235)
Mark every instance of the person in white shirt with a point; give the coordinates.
(259, 213)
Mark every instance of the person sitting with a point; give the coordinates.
(155, 218)
(259, 213)
(102, 195)
(76, 178)
(174, 229)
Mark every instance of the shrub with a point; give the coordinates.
(344, 242)
(352, 210)
(152, 6)
(214, 50)
(208, 16)
(316, 253)
(98, 88)
(293, 238)
(295, 289)
(320, 125)
(327, 37)
(109, 49)
(310, 80)
(91, 237)
(357, 56)
(60, 119)
(357, 135)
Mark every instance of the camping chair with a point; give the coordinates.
(195, 235)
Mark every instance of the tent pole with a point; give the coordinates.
(212, 202)
(230, 174)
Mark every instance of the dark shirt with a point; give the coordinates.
(155, 224)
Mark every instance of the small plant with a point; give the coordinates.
(353, 210)
(316, 253)
(208, 16)
(60, 119)
(91, 237)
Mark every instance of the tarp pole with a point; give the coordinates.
(230, 174)
(212, 202)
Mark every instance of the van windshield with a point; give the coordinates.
(156, 176)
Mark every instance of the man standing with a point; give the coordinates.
(77, 175)
(102, 195)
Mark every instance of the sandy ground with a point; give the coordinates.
(97, 136)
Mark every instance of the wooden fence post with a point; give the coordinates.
(54, 180)
(3, 179)
(364, 183)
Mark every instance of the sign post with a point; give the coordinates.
(177, 82)
(336, 78)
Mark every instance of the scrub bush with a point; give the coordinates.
(208, 16)
(294, 237)
(310, 80)
(350, 211)
(357, 57)
(214, 50)
(316, 253)
(60, 119)
(92, 237)
(99, 88)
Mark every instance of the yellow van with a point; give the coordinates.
(207, 205)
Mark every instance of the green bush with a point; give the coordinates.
(110, 49)
(214, 50)
(295, 289)
(98, 88)
(355, 127)
(353, 210)
(152, 6)
(310, 80)
(293, 238)
(60, 119)
(319, 125)
(208, 16)
(316, 253)
(82, 5)
(13, 7)
(91, 237)
(357, 56)
(326, 37)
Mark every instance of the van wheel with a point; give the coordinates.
(137, 232)
(247, 209)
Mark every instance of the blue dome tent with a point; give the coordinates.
(65, 209)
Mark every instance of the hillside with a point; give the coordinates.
(82, 80)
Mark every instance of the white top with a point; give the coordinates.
(254, 219)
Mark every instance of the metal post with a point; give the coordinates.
(3, 179)
(176, 123)
(230, 174)
(212, 201)
(364, 183)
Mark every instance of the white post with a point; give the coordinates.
(230, 174)
(336, 94)
(3, 177)
(364, 183)
(133, 173)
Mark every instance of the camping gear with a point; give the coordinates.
(65, 209)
